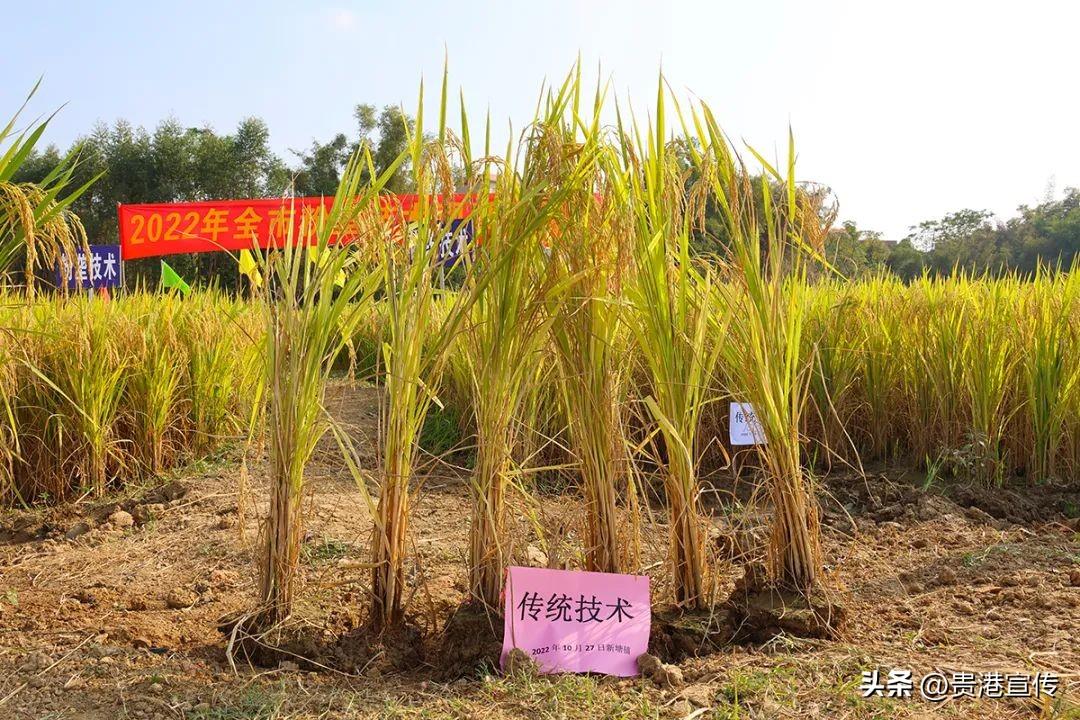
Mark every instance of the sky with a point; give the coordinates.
(907, 110)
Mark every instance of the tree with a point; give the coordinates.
(321, 166)
(955, 226)
(904, 260)
(970, 240)
(1048, 233)
(394, 129)
(853, 252)
(385, 134)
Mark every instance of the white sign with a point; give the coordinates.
(745, 429)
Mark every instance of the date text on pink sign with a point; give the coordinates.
(577, 621)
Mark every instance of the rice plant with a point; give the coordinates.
(416, 338)
(96, 394)
(589, 248)
(670, 307)
(501, 346)
(1050, 374)
(767, 264)
(35, 222)
(154, 388)
(878, 329)
(412, 319)
(988, 365)
(310, 314)
(87, 373)
(92, 378)
(832, 341)
(940, 361)
(211, 371)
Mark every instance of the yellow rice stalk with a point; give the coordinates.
(878, 325)
(154, 387)
(940, 361)
(766, 266)
(988, 366)
(832, 342)
(309, 316)
(413, 354)
(670, 306)
(501, 348)
(1051, 374)
(590, 247)
(90, 374)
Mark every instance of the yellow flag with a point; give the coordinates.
(249, 267)
(319, 260)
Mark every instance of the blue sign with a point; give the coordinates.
(100, 270)
(453, 243)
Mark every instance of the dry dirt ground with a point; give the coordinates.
(117, 618)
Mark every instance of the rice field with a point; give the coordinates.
(976, 379)
(581, 350)
(99, 395)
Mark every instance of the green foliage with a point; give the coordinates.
(441, 432)
(904, 260)
(325, 549)
(257, 703)
(321, 165)
(971, 240)
(176, 163)
(954, 227)
(855, 253)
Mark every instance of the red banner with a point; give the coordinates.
(196, 227)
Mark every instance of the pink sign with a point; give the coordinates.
(577, 621)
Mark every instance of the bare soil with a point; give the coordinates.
(109, 609)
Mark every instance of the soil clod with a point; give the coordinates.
(660, 673)
(471, 638)
(518, 663)
(179, 599)
(760, 611)
(121, 520)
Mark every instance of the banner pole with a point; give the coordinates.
(120, 247)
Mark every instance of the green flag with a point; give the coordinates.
(170, 279)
